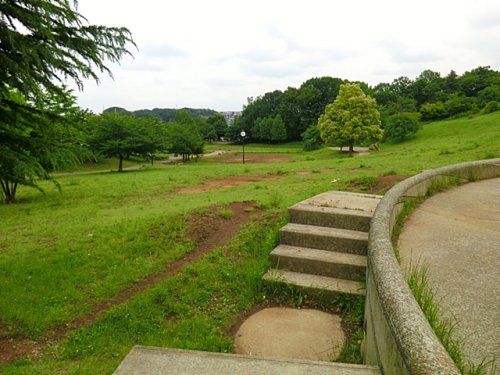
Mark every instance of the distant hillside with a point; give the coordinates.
(163, 114)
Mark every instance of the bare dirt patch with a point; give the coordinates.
(255, 158)
(304, 173)
(384, 183)
(376, 185)
(227, 182)
(357, 150)
(208, 230)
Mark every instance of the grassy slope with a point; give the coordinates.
(58, 253)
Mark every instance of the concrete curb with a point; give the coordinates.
(398, 337)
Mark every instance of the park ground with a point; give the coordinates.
(172, 254)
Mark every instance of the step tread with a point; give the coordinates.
(154, 360)
(331, 210)
(324, 256)
(305, 280)
(325, 231)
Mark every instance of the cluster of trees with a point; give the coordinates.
(401, 103)
(211, 124)
(298, 109)
(436, 97)
(121, 136)
(269, 129)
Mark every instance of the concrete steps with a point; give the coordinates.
(319, 262)
(317, 284)
(323, 247)
(159, 361)
(324, 238)
(330, 217)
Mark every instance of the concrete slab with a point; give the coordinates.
(345, 200)
(281, 332)
(457, 234)
(324, 238)
(155, 361)
(319, 262)
(316, 284)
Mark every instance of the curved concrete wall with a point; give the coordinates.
(398, 337)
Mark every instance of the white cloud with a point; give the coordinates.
(217, 53)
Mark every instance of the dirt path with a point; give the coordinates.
(357, 150)
(207, 230)
(254, 158)
(227, 182)
(170, 160)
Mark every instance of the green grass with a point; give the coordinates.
(192, 310)
(226, 214)
(103, 165)
(60, 254)
(418, 281)
(443, 326)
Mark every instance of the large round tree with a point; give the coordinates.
(351, 119)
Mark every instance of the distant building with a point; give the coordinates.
(230, 116)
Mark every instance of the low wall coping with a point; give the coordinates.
(419, 347)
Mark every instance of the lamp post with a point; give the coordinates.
(243, 141)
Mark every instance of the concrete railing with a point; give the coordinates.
(398, 337)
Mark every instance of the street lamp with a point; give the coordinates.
(243, 141)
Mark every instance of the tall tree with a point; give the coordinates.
(114, 135)
(217, 125)
(43, 43)
(184, 136)
(352, 118)
(46, 137)
(278, 130)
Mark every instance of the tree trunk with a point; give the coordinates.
(152, 159)
(120, 163)
(9, 191)
(351, 149)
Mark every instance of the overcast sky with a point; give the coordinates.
(215, 54)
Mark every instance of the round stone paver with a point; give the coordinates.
(279, 332)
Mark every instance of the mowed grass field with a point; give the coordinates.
(61, 255)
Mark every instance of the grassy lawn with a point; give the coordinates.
(102, 165)
(61, 254)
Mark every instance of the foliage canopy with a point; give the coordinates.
(351, 119)
(42, 44)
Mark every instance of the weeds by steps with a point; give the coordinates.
(417, 278)
(444, 327)
(350, 307)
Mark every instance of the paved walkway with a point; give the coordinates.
(457, 234)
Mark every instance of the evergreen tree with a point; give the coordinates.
(278, 130)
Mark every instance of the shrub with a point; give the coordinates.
(458, 104)
(433, 111)
(491, 107)
(401, 125)
(312, 139)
